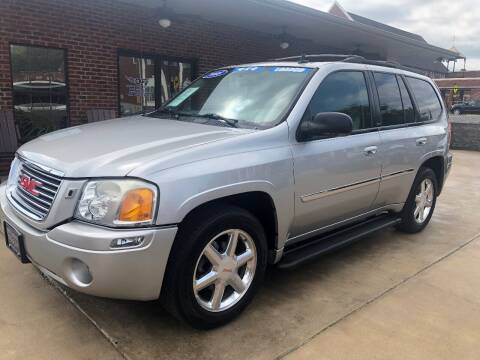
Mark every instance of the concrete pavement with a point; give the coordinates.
(435, 315)
(37, 322)
(390, 294)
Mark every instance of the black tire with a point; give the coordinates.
(409, 224)
(198, 229)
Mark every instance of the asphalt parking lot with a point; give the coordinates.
(391, 295)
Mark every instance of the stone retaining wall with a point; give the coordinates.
(465, 132)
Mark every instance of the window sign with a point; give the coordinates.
(136, 86)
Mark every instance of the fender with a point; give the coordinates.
(283, 207)
(441, 172)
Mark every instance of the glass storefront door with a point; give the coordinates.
(175, 75)
(137, 84)
(39, 90)
(147, 82)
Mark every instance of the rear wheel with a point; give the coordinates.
(216, 266)
(457, 112)
(421, 201)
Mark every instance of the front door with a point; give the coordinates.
(337, 178)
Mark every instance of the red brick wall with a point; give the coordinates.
(464, 74)
(462, 83)
(93, 30)
(469, 89)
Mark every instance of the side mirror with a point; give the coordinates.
(327, 124)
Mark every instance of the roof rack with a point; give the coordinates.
(391, 64)
(356, 59)
(319, 57)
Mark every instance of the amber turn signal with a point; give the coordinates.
(137, 206)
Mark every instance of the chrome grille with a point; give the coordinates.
(37, 202)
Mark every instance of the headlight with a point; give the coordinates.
(118, 203)
(13, 175)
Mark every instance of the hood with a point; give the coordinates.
(116, 147)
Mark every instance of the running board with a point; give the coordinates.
(305, 252)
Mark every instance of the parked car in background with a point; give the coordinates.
(269, 163)
(468, 107)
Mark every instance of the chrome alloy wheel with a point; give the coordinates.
(424, 201)
(225, 270)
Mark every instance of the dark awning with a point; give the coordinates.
(343, 35)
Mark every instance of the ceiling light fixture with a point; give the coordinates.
(284, 43)
(165, 20)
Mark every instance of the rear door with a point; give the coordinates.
(337, 178)
(405, 134)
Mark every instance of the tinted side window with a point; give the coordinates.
(391, 106)
(345, 92)
(427, 99)
(407, 102)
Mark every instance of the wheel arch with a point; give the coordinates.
(437, 164)
(258, 203)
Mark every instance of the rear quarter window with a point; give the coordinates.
(427, 100)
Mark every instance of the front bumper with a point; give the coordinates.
(79, 256)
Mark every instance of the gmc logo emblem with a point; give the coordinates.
(30, 185)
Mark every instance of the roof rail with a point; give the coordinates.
(356, 59)
(318, 57)
(390, 64)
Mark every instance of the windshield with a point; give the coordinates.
(255, 96)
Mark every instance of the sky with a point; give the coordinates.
(439, 22)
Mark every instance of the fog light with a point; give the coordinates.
(77, 272)
(127, 242)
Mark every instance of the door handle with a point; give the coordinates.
(370, 151)
(422, 141)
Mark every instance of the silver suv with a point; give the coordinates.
(269, 163)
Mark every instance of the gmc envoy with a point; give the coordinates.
(270, 163)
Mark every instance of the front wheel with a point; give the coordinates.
(457, 112)
(216, 266)
(421, 201)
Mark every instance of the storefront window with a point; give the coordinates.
(139, 76)
(39, 90)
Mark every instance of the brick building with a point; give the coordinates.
(61, 58)
(460, 86)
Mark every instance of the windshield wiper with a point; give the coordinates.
(162, 111)
(229, 122)
(170, 112)
(177, 114)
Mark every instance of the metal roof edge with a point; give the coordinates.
(308, 11)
